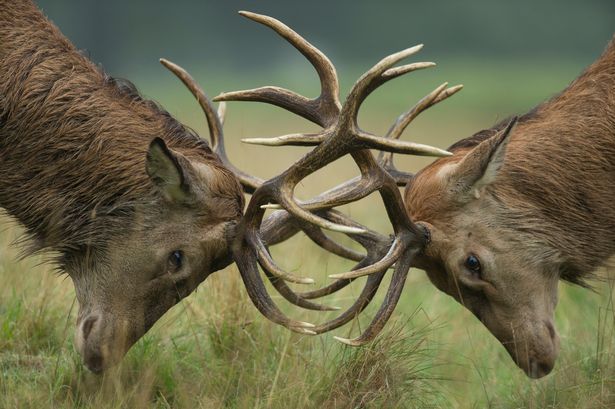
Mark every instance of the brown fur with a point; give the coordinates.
(545, 211)
(72, 139)
(73, 145)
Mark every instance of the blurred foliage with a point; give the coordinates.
(509, 55)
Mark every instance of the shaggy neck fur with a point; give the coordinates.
(73, 141)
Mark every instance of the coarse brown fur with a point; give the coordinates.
(73, 140)
(537, 203)
(74, 148)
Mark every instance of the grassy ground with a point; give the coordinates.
(215, 350)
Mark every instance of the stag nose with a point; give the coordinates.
(87, 326)
(538, 369)
(88, 343)
(542, 364)
(94, 361)
(102, 339)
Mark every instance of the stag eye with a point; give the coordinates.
(473, 264)
(176, 260)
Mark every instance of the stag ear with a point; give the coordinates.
(168, 170)
(480, 167)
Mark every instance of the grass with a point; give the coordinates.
(215, 350)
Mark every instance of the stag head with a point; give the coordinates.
(174, 242)
(476, 256)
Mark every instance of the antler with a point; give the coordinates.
(281, 225)
(215, 121)
(278, 227)
(340, 135)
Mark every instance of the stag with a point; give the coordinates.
(519, 207)
(139, 210)
(496, 223)
(136, 206)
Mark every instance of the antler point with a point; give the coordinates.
(346, 341)
(273, 206)
(304, 324)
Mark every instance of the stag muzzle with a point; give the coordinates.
(537, 352)
(103, 341)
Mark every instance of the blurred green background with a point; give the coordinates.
(128, 36)
(509, 55)
(214, 349)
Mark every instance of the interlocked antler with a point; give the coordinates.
(340, 136)
(280, 226)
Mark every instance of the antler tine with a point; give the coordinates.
(280, 225)
(437, 95)
(276, 229)
(374, 251)
(388, 305)
(293, 297)
(267, 264)
(385, 159)
(372, 79)
(247, 264)
(373, 242)
(365, 297)
(347, 192)
(214, 122)
(222, 112)
(383, 264)
(317, 236)
(295, 139)
(322, 110)
(368, 292)
(369, 81)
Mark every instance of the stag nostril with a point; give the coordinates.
(545, 367)
(88, 324)
(539, 369)
(94, 362)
